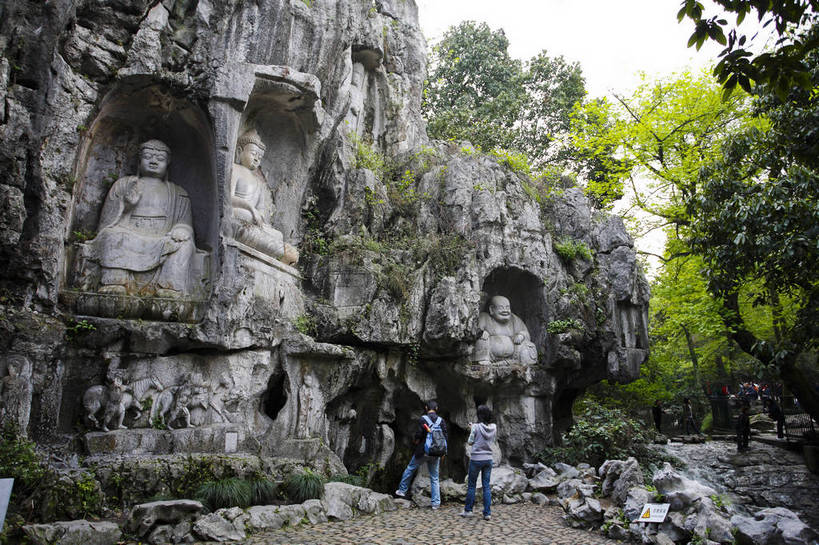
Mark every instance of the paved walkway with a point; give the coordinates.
(521, 524)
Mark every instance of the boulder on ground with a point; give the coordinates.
(74, 532)
(565, 471)
(216, 527)
(533, 469)
(636, 498)
(340, 499)
(146, 516)
(574, 487)
(452, 491)
(540, 499)
(582, 512)
(507, 480)
(761, 422)
(544, 481)
(618, 477)
(264, 517)
(678, 490)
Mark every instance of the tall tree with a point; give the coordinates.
(755, 220)
(474, 91)
(553, 87)
(654, 142)
(477, 92)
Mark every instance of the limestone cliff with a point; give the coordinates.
(401, 241)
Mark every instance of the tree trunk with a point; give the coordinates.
(693, 353)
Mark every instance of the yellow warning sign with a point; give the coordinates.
(653, 512)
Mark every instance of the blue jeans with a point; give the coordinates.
(485, 467)
(432, 466)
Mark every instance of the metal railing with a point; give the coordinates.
(798, 424)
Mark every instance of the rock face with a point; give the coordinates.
(765, 476)
(314, 321)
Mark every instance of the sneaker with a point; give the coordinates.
(487, 517)
(436, 507)
(467, 514)
(400, 494)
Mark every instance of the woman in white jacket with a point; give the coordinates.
(480, 460)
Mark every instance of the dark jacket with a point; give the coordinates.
(421, 433)
(775, 411)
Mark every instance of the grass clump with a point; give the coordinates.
(263, 492)
(231, 492)
(301, 486)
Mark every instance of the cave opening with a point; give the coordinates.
(275, 396)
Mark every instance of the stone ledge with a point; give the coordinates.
(208, 439)
(126, 307)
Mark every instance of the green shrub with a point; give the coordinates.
(359, 478)
(569, 250)
(306, 324)
(517, 162)
(562, 326)
(40, 494)
(304, 485)
(368, 157)
(599, 434)
(231, 492)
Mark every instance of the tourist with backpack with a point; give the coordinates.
(480, 461)
(430, 446)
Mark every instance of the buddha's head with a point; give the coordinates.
(250, 150)
(499, 309)
(154, 158)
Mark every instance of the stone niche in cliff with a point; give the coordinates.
(511, 326)
(144, 220)
(269, 117)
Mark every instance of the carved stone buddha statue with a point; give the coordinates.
(252, 204)
(145, 241)
(503, 336)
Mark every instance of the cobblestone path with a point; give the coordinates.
(521, 524)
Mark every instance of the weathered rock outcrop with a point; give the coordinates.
(400, 241)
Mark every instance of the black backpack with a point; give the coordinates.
(435, 444)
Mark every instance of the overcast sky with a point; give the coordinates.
(612, 40)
